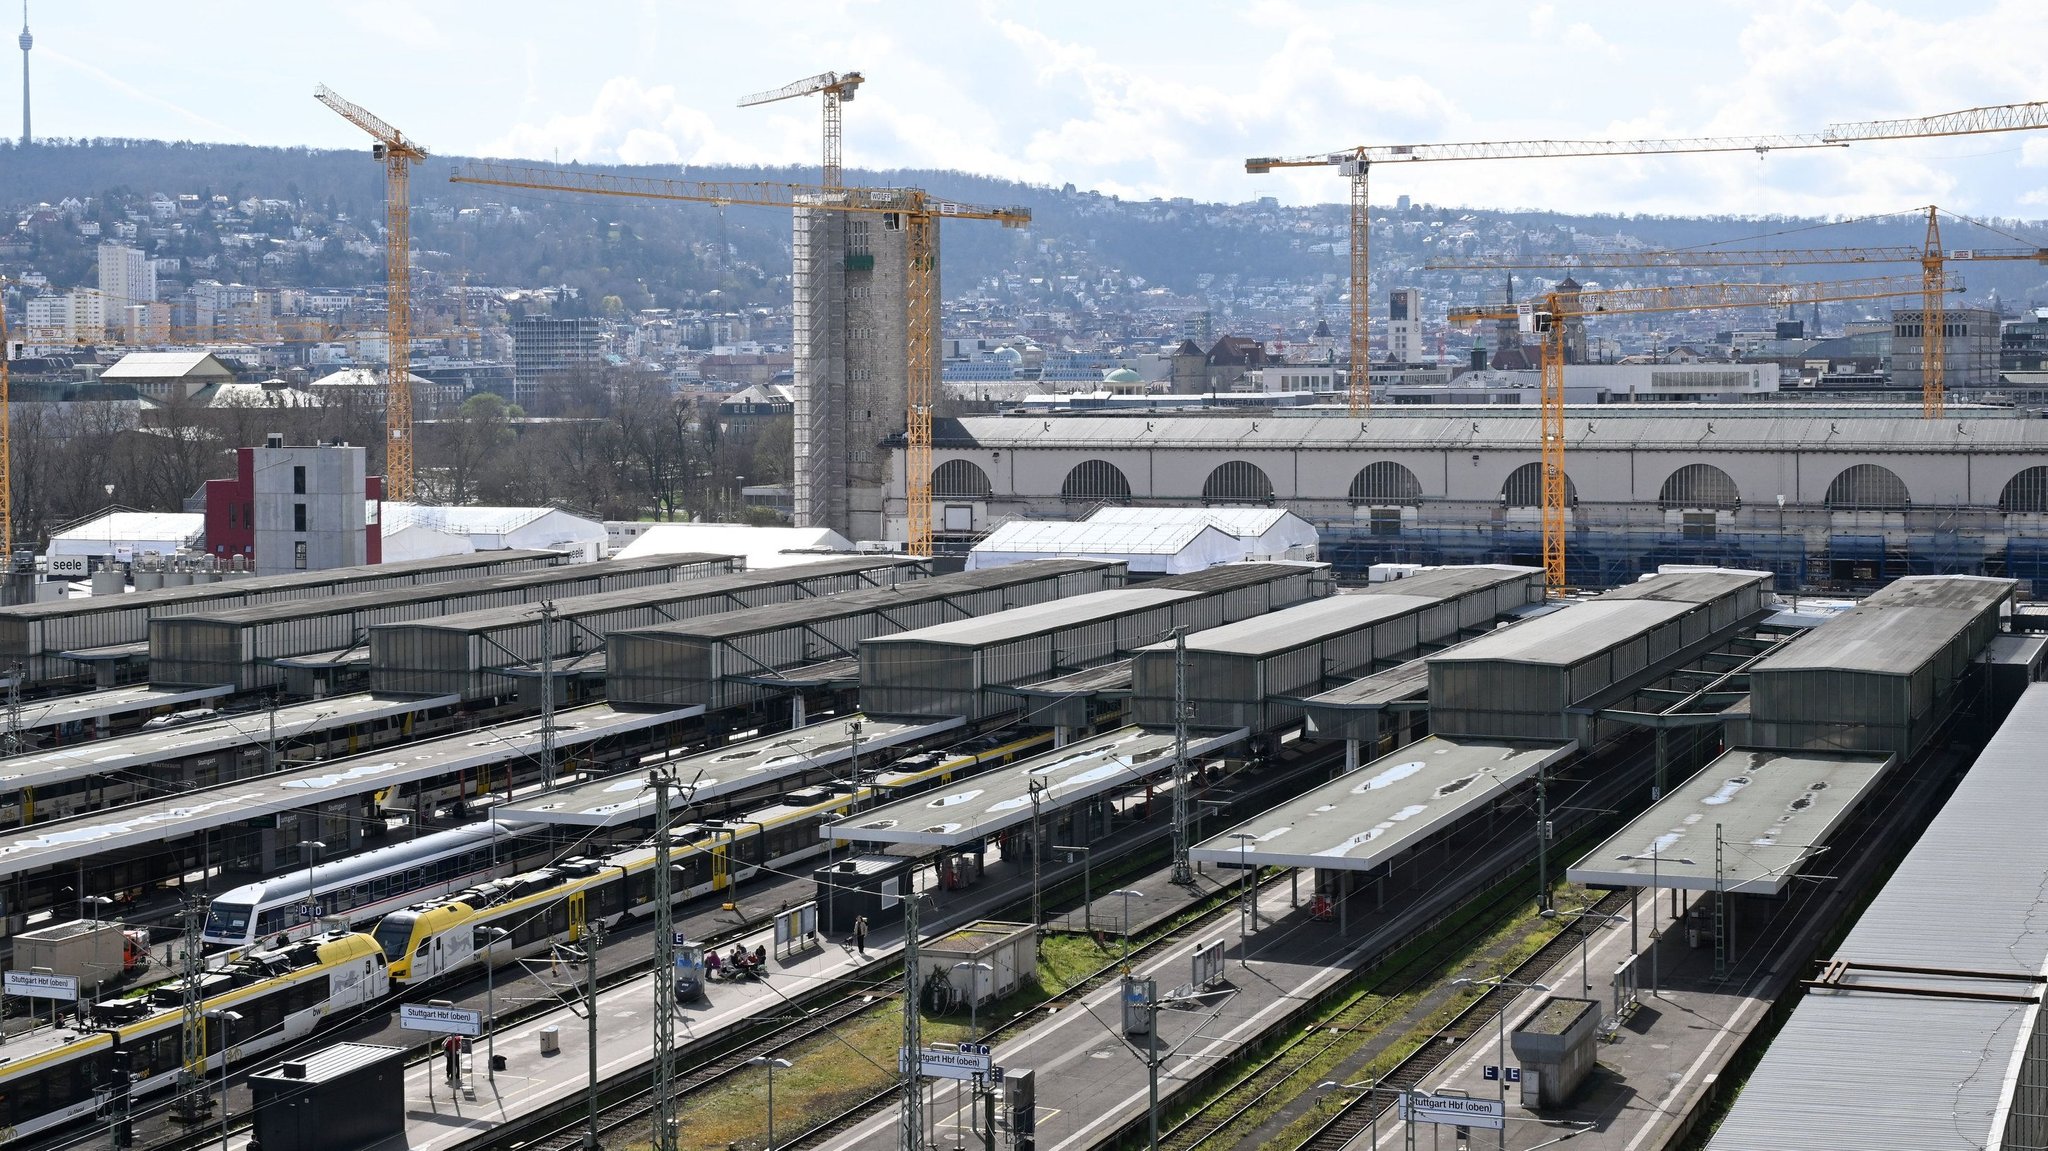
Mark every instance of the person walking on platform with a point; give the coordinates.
(451, 1051)
(860, 934)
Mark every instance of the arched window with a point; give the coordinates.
(1524, 488)
(1386, 484)
(1095, 480)
(1699, 486)
(1237, 482)
(1868, 488)
(959, 480)
(2026, 492)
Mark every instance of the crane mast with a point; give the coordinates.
(836, 88)
(398, 155)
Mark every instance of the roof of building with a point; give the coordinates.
(1766, 427)
(997, 800)
(1365, 817)
(1883, 1071)
(761, 547)
(461, 520)
(1244, 523)
(229, 394)
(1165, 537)
(736, 767)
(1896, 630)
(1772, 809)
(132, 527)
(1567, 637)
(1037, 619)
(1300, 625)
(167, 366)
(364, 378)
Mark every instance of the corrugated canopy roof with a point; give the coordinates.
(1039, 618)
(1564, 638)
(167, 365)
(1301, 624)
(1895, 631)
(1881, 1071)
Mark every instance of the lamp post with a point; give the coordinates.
(1585, 965)
(771, 1064)
(1244, 934)
(1372, 1104)
(1127, 894)
(226, 1019)
(1502, 1017)
(1653, 857)
(489, 937)
(96, 902)
(311, 849)
(1087, 886)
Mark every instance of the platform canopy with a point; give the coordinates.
(707, 775)
(223, 733)
(995, 801)
(1366, 817)
(92, 705)
(1775, 811)
(62, 840)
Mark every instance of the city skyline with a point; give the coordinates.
(1141, 103)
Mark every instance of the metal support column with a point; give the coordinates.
(664, 972)
(547, 693)
(910, 1128)
(1183, 874)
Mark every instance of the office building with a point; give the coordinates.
(546, 347)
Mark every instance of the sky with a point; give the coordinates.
(1128, 97)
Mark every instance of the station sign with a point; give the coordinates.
(446, 1020)
(1453, 1110)
(39, 985)
(970, 1062)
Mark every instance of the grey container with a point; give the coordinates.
(344, 1098)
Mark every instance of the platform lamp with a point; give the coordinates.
(1250, 898)
(771, 1064)
(227, 1019)
(1584, 913)
(1372, 1106)
(1653, 857)
(1502, 1017)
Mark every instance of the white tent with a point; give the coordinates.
(1147, 548)
(123, 536)
(420, 542)
(495, 529)
(1267, 533)
(760, 547)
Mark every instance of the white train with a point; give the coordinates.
(363, 888)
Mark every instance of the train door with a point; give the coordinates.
(575, 916)
(720, 866)
(28, 806)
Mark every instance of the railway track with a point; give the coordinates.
(1360, 1113)
(1369, 1012)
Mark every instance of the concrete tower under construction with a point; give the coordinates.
(851, 347)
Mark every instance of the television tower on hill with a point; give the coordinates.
(27, 42)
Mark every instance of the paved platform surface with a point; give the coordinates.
(1092, 1078)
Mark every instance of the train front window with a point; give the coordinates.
(230, 920)
(393, 932)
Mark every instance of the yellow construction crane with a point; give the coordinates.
(1548, 321)
(920, 212)
(837, 88)
(399, 155)
(1931, 256)
(1356, 163)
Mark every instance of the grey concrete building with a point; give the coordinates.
(1970, 348)
(546, 346)
(850, 338)
(1821, 495)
